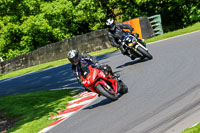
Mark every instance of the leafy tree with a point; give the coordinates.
(195, 12)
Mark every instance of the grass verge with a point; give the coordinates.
(192, 28)
(33, 109)
(195, 129)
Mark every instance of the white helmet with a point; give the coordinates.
(111, 24)
(73, 56)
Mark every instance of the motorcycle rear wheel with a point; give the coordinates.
(110, 95)
(145, 53)
(123, 88)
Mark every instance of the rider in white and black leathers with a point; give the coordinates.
(79, 61)
(115, 33)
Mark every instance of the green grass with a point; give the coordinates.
(192, 28)
(33, 109)
(195, 129)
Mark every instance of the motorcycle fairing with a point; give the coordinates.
(96, 76)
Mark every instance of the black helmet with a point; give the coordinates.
(111, 24)
(73, 56)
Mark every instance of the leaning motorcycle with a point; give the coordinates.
(102, 83)
(135, 47)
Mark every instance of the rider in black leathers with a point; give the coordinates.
(80, 61)
(115, 33)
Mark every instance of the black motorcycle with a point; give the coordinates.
(135, 47)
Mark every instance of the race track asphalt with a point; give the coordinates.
(162, 91)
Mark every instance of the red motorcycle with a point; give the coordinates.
(103, 84)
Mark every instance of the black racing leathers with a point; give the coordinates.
(84, 61)
(116, 35)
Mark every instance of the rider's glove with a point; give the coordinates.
(79, 81)
(128, 33)
(136, 35)
(97, 65)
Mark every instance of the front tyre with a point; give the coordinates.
(110, 94)
(144, 52)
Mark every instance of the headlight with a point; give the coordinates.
(83, 82)
(134, 41)
(130, 44)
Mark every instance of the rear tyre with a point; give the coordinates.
(105, 92)
(132, 57)
(145, 53)
(123, 88)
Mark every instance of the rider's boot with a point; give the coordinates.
(86, 89)
(116, 77)
(123, 87)
(132, 57)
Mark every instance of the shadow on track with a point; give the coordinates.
(132, 62)
(54, 78)
(101, 57)
(101, 103)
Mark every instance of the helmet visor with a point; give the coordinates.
(74, 60)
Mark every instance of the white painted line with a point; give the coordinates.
(75, 100)
(194, 125)
(78, 104)
(64, 115)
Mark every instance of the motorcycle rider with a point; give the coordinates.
(115, 33)
(79, 61)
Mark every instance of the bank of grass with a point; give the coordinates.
(195, 129)
(192, 28)
(31, 110)
(189, 29)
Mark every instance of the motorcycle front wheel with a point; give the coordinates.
(110, 94)
(145, 53)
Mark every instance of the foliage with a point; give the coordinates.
(30, 24)
(27, 25)
(195, 13)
